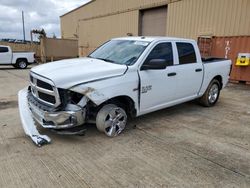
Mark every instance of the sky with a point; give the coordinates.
(38, 14)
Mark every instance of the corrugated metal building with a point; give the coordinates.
(99, 20)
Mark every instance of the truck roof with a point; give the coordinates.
(153, 38)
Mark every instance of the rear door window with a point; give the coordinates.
(186, 53)
(3, 49)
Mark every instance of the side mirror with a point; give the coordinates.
(154, 64)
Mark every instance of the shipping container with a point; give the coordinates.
(228, 47)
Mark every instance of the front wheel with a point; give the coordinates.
(111, 119)
(211, 95)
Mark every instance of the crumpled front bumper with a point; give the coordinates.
(73, 116)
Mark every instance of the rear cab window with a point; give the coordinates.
(162, 51)
(3, 49)
(186, 53)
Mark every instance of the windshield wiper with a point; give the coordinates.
(106, 60)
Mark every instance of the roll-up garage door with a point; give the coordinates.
(154, 22)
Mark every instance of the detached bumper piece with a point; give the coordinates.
(28, 123)
(67, 122)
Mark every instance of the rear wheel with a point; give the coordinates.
(211, 95)
(21, 64)
(111, 119)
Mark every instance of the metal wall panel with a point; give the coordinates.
(69, 26)
(95, 32)
(103, 8)
(193, 18)
(186, 18)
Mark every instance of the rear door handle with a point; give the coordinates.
(172, 74)
(198, 70)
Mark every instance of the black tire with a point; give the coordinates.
(212, 94)
(21, 63)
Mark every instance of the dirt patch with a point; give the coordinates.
(8, 104)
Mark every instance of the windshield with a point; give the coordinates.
(124, 52)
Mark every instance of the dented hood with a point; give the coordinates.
(70, 72)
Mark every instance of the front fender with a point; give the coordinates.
(91, 93)
(103, 90)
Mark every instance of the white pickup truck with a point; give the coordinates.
(125, 77)
(17, 59)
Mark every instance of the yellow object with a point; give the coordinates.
(243, 59)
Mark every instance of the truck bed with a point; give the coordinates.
(212, 59)
(22, 52)
(214, 67)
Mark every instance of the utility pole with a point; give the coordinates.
(23, 27)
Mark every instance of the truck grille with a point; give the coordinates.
(44, 90)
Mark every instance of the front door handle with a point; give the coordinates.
(198, 70)
(172, 74)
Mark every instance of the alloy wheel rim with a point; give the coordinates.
(22, 64)
(115, 122)
(213, 93)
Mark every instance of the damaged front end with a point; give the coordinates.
(68, 118)
(68, 121)
(64, 111)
